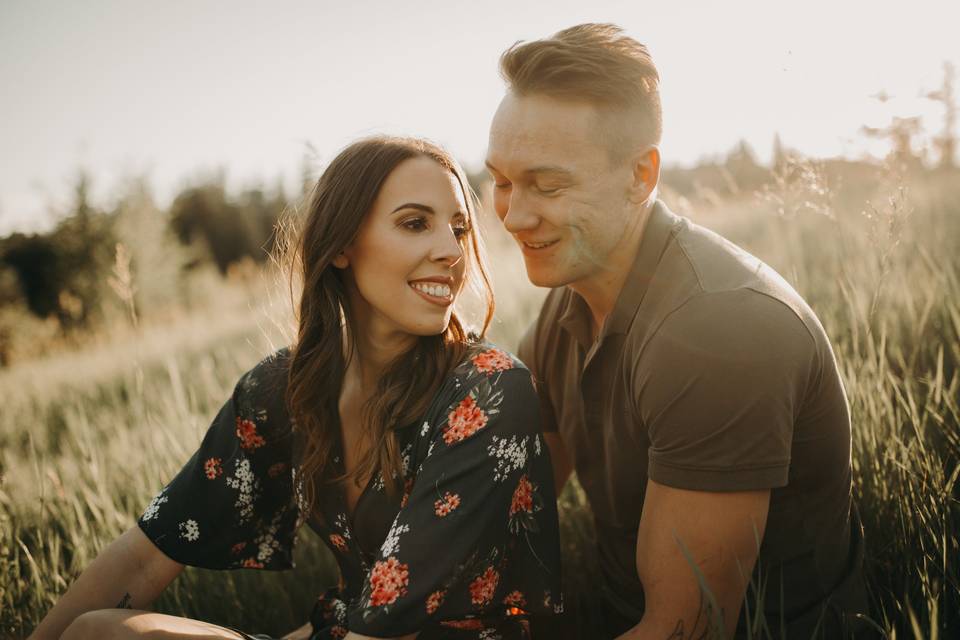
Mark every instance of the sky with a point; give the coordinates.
(178, 89)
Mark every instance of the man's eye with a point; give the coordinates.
(547, 191)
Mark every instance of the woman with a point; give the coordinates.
(413, 447)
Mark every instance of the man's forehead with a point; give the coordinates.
(541, 130)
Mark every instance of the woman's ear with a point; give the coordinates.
(341, 262)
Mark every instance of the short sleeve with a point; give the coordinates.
(476, 540)
(231, 505)
(528, 354)
(719, 387)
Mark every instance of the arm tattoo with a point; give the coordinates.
(712, 624)
(124, 602)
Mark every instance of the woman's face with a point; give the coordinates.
(406, 266)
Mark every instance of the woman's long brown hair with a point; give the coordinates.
(338, 205)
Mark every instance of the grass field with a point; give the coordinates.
(87, 437)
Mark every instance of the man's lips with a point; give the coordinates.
(530, 246)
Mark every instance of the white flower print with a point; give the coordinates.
(190, 530)
(391, 544)
(378, 484)
(425, 429)
(489, 634)
(247, 485)
(341, 524)
(267, 542)
(340, 611)
(154, 506)
(511, 455)
(536, 444)
(407, 450)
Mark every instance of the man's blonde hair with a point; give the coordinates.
(593, 63)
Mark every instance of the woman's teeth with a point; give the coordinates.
(436, 290)
(539, 245)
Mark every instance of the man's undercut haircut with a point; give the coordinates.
(594, 63)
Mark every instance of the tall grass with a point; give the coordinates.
(87, 438)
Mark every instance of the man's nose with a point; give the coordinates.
(518, 216)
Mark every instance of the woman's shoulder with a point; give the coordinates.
(261, 390)
(270, 373)
(489, 370)
(485, 358)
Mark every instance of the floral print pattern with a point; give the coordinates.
(483, 587)
(473, 529)
(464, 421)
(388, 581)
(491, 361)
(212, 468)
(446, 504)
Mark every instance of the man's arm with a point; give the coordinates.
(562, 466)
(693, 539)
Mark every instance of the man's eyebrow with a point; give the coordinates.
(544, 169)
(553, 169)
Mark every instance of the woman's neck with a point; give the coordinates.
(370, 350)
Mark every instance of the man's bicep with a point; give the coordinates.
(695, 555)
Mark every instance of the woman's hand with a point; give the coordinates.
(303, 633)
(129, 574)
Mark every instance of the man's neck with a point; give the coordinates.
(601, 290)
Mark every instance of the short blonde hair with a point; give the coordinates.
(594, 63)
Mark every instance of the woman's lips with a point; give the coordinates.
(437, 293)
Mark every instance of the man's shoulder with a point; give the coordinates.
(704, 274)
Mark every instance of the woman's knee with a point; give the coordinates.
(107, 624)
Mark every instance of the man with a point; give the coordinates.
(691, 388)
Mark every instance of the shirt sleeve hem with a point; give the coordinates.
(731, 479)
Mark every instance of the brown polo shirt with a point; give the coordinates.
(711, 374)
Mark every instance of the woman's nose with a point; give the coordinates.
(447, 247)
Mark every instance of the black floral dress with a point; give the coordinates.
(469, 550)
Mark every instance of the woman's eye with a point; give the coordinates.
(461, 230)
(415, 224)
(501, 185)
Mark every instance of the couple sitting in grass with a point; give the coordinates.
(689, 386)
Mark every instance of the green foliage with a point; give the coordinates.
(87, 438)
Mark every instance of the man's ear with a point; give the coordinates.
(646, 174)
(341, 261)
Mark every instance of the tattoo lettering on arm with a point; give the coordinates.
(712, 624)
(124, 602)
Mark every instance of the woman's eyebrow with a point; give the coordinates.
(426, 209)
(414, 205)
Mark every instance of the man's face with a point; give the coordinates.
(556, 188)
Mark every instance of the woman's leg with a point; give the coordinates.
(121, 624)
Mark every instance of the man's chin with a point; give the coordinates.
(546, 278)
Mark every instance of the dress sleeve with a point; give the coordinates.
(476, 540)
(231, 506)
